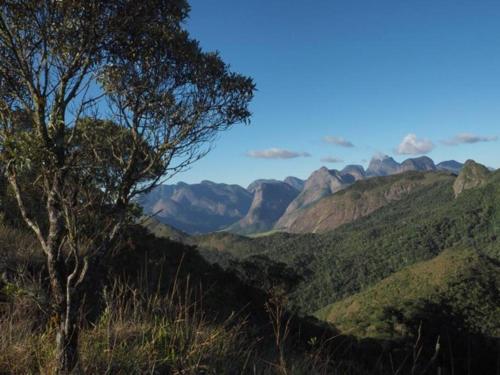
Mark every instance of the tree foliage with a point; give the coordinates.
(100, 101)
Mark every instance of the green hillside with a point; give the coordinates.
(462, 284)
(356, 256)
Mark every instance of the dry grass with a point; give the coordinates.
(139, 334)
(134, 334)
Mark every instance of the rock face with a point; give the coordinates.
(254, 185)
(357, 201)
(450, 166)
(295, 182)
(472, 175)
(321, 183)
(270, 201)
(197, 208)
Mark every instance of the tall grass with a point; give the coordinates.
(141, 333)
(135, 333)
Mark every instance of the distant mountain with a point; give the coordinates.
(324, 182)
(357, 172)
(382, 166)
(270, 201)
(451, 166)
(295, 182)
(386, 166)
(356, 201)
(321, 183)
(255, 184)
(422, 164)
(197, 208)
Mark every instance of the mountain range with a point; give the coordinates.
(407, 256)
(197, 208)
(269, 204)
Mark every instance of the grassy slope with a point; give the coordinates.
(461, 282)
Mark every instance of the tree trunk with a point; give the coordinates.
(67, 348)
(67, 328)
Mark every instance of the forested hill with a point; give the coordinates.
(462, 286)
(358, 255)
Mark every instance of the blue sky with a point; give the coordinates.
(418, 77)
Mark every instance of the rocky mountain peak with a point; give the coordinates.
(382, 165)
(472, 175)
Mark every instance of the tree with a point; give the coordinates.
(117, 98)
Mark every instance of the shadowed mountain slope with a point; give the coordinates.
(451, 166)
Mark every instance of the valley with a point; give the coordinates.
(392, 245)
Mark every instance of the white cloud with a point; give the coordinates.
(331, 159)
(411, 145)
(468, 138)
(276, 153)
(338, 141)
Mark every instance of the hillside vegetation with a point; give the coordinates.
(357, 255)
(163, 309)
(463, 284)
(427, 263)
